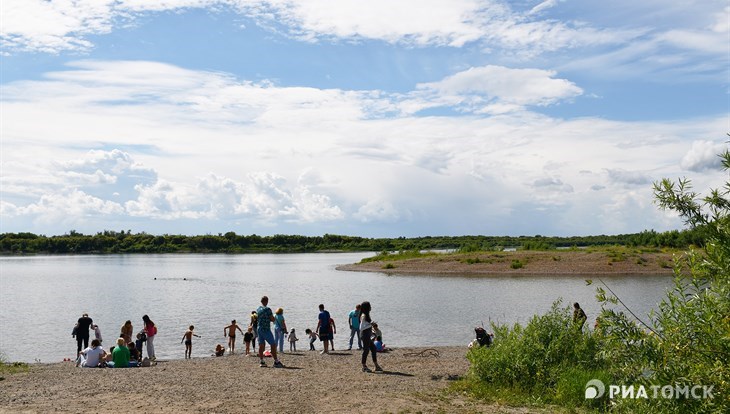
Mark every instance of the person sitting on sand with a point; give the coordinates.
(219, 350)
(188, 338)
(312, 338)
(378, 338)
(232, 336)
(134, 355)
(247, 338)
(92, 356)
(120, 355)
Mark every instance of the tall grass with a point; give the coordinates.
(547, 361)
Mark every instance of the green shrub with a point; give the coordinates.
(532, 361)
(516, 264)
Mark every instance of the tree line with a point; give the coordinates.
(110, 241)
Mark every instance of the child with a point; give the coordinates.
(219, 350)
(97, 332)
(333, 331)
(141, 339)
(247, 338)
(312, 337)
(231, 335)
(188, 338)
(376, 332)
(134, 354)
(293, 341)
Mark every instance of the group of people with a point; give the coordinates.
(125, 352)
(361, 325)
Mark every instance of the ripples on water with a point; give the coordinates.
(41, 298)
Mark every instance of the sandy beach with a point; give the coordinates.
(415, 380)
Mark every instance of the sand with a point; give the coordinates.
(415, 380)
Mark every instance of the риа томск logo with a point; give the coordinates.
(596, 389)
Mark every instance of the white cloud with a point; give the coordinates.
(703, 156)
(305, 156)
(498, 89)
(55, 26)
(378, 210)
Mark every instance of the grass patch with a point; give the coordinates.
(402, 255)
(389, 266)
(9, 368)
(516, 264)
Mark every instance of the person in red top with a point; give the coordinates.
(151, 330)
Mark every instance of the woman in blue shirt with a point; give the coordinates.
(279, 329)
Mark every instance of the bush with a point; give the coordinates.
(539, 360)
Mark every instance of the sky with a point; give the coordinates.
(397, 118)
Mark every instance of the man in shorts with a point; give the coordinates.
(323, 328)
(265, 316)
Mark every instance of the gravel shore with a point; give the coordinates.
(415, 380)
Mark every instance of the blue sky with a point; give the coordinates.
(378, 119)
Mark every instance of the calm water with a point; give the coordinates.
(42, 297)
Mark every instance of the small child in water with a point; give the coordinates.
(293, 341)
(188, 338)
(312, 337)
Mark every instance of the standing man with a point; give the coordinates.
(323, 328)
(264, 316)
(354, 319)
(82, 332)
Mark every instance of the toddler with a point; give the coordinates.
(293, 341)
(312, 337)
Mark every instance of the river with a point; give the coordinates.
(41, 297)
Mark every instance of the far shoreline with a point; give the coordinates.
(527, 263)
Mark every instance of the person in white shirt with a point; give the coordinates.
(91, 356)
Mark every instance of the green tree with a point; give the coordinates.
(687, 341)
